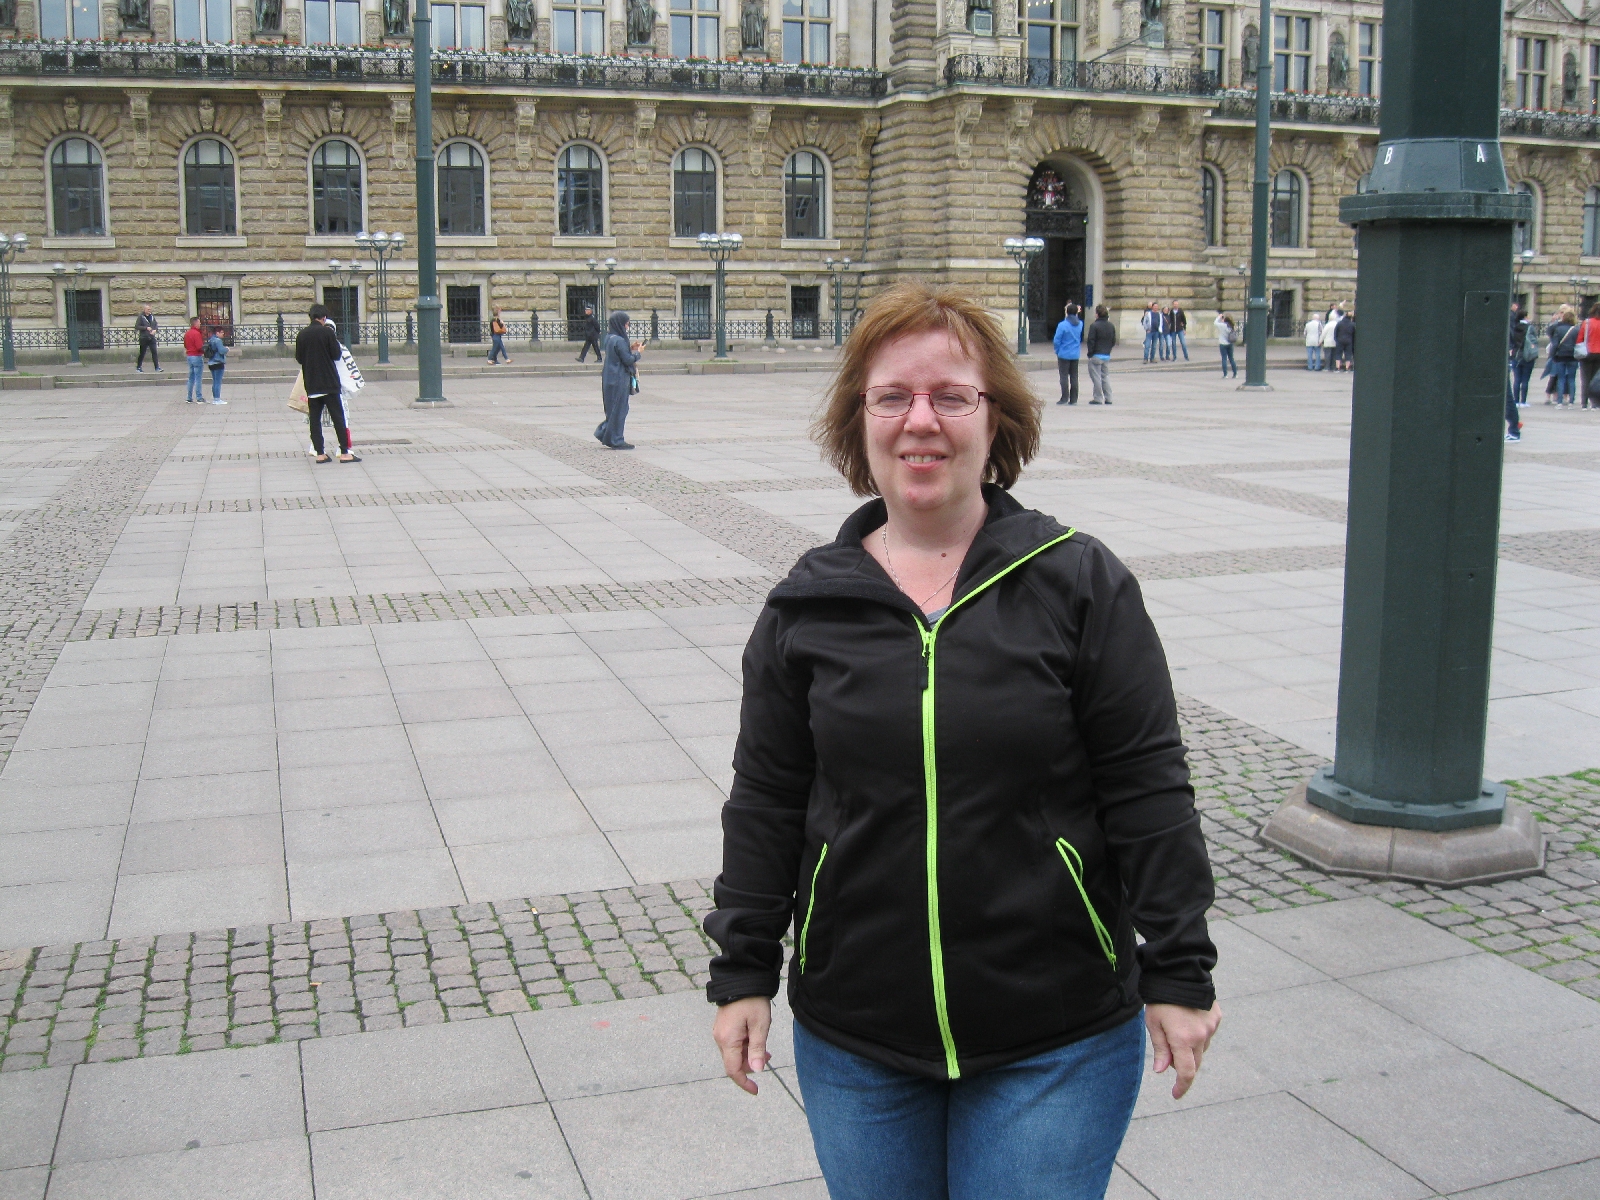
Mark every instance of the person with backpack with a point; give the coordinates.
(1069, 348)
(1564, 364)
(1523, 348)
(215, 353)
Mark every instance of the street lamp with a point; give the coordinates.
(1579, 284)
(382, 246)
(721, 246)
(11, 245)
(837, 268)
(600, 270)
(1023, 251)
(69, 297)
(346, 276)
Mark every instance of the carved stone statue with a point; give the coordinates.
(753, 25)
(1569, 81)
(8, 14)
(135, 14)
(1152, 28)
(396, 18)
(641, 23)
(1251, 53)
(519, 20)
(269, 15)
(1338, 63)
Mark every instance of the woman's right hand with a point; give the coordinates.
(740, 1032)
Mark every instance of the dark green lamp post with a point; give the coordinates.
(430, 368)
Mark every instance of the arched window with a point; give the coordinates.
(336, 189)
(578, 192)
(1591, 222)
(1525, 234)
(1211, 206)
(77, 189)
(1288, 201)
(694, 193)
(805, 183)
(461, 188)
(208, 194)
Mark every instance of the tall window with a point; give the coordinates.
(1525, 234)
(1211, 206)
(203, 20)
(335, 189)
(1594, 79)
(1591, 222)
(458, 27)
(578, 192)
(1214, 43)
(696, 29)
(208, 194)
(76, 194)
(1369, 58)
(63, 19)
(1533, 71)
(580, 27)
(333, 22)
(805, 181)
(807, 26)
(461, 190)
(1288, 198)
(1291, 60)
(1052, 29)
(694, 193)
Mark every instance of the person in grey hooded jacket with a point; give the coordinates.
(616, 382)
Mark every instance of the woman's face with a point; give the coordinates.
(920, 460)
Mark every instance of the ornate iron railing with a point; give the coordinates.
(392, 65)
(1568, 126)
(1301, 106)
(1072, 76)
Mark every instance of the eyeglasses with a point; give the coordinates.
(948, 400)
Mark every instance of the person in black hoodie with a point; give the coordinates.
(959, 773)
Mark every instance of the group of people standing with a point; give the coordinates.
(1073, 343)
(1572, 359)
(1164, 326)
(1331, 340)
(203, 347)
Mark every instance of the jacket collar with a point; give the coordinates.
(844, 570)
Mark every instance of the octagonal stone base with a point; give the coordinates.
(1509, 850)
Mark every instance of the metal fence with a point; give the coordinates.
(1071, 75)
(1298, 106)
(112, 337)
(393, 65)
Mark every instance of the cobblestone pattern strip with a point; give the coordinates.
(364, 448)
(51, 559)
(100, 624)
(1570, 551)
(372, 500)
(165, 995)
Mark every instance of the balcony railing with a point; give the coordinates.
(392, 65)
(1072, 76)
(1318, 108)
(1568, 126)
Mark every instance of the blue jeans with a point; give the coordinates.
(196, 388)
(1313, 358)
(1182, 344)
(216, 381)
(1150, 340)
(497, 347)
(1046, 1128)
(1566, 374)
(1228, 360)
(1522, 372)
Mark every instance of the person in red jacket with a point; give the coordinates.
(194, 344)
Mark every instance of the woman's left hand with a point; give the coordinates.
(1180, 1037)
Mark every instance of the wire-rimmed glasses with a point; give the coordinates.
(948, 399)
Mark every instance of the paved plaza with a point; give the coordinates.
(357, 821)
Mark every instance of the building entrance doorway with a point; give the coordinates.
(464, 313)
(87, 317)
(214, 307)
(696, 312)
(344, 306)
(805, 304)
(1057, 211)
(579, 298)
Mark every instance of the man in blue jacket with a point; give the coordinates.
(1069, 348)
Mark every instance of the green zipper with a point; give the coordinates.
(811, 904)
(1074, 861)
(930, 776)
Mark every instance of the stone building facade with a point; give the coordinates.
(202, 157)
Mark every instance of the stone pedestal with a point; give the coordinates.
(1483, 854)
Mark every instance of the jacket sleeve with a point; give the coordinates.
(763, 822)
(625, 352)
(1128, 717)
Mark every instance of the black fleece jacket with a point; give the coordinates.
(966, 825)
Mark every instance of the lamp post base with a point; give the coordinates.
(1508, 850)
(440, 402)
(1255, 387)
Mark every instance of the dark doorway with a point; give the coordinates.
(464, 309)
(1282, 323)
(214, 307)
(344, 306)
(86, 315)
(1056, 212)
(696, 312)
(578, 298)
(1586, 305)
(804, 305)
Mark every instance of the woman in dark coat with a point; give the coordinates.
(616, 380)
(1344, 340)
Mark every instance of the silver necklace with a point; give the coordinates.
(889, 562)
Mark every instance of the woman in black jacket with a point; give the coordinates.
(959, 774)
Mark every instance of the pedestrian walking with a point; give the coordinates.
(318, 351)
(1227, 338)
(497, 340)
(1344, 341)
(1563, 339)
(145, 326)
(967, 986)
(1097, 345)
(1150, 322)
(215, 353)
(1314, 343)
(1180, 326)
(591, 337)
(617, 382)
(1523, 349)
(194, 344)
(1069, 347)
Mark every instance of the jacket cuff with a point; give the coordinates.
(1155, 990)
(726, 987)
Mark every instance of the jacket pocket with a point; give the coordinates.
(811, 906)
(1074, 862)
